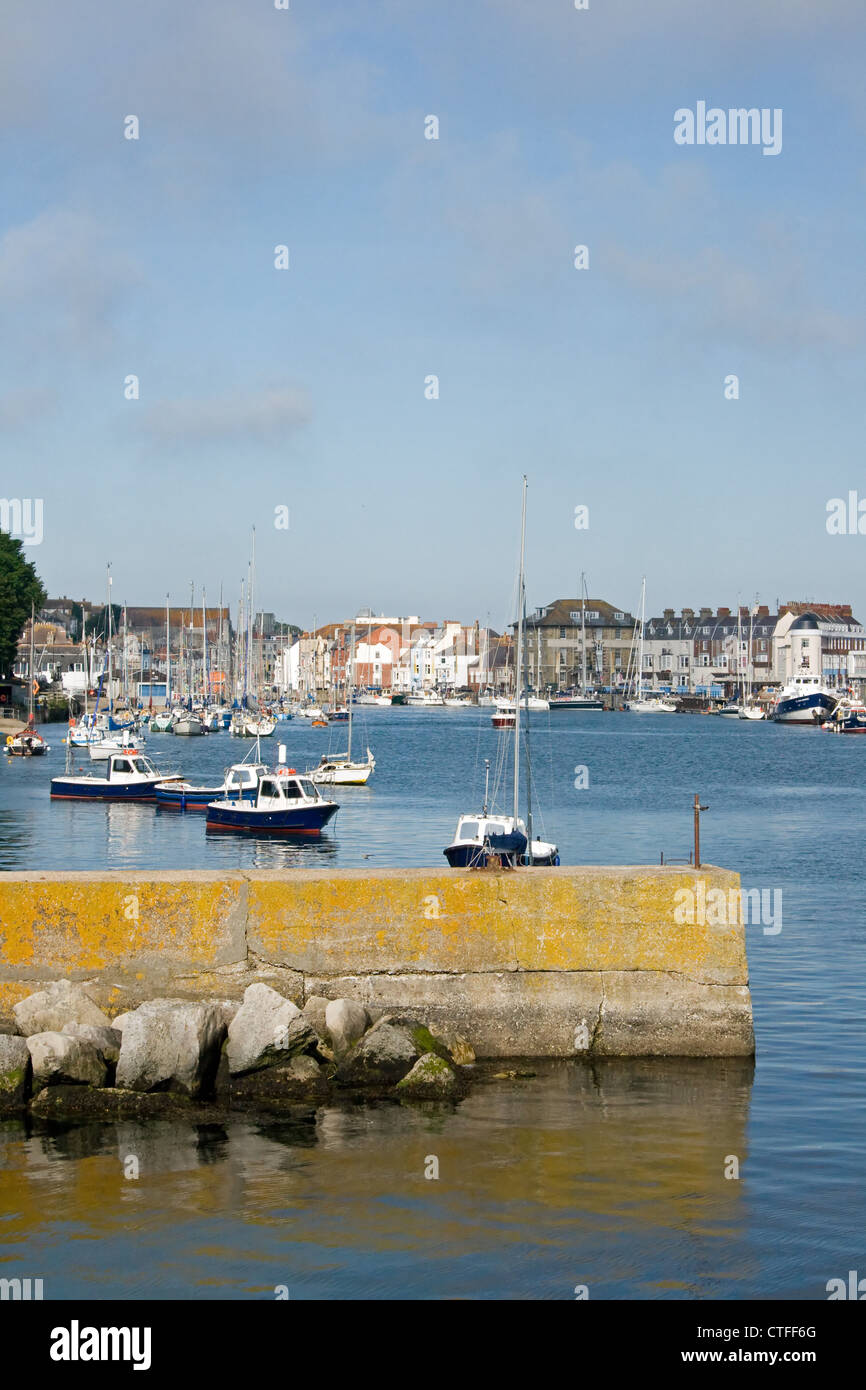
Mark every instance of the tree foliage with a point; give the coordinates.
(20, 586)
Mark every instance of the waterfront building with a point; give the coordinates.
(554, 644)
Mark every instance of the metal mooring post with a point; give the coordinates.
(698, 809)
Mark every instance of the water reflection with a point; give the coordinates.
(591, 1173)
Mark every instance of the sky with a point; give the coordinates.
(298, 394)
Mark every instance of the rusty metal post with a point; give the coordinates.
(698, 809)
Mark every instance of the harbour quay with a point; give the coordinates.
(565, 962)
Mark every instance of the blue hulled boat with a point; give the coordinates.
(285, 804)
(129, 777)
(239, 784)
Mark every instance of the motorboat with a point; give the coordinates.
(161, 723)
(287, 803)
(487, 841)
(341, 771)
(239, 784)
(730, 711)
(849, 717)
(425, 699)
(752, 712)
(128, 777)
(188, 724)
(580, 702)
(805, 700)
(650, 705)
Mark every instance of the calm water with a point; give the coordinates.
(610, 1175)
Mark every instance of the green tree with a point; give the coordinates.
(20, 586)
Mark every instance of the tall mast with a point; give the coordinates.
(191, 651)
(167, 655)
(32, 659)
(640, 639)
(582, 633)
(528, 754)
(349, 682)
(204, 673)
(108, 639)
(518, 656)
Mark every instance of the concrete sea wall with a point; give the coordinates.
(542, 962)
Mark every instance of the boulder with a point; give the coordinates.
(59, 1003)
(346, 1023)
(105, 1040)
(382, 1058)
(431, 1078)
(314, 1011)
(118, 1023)
(15, 1072)
(60, 1060)
(171, 1045)
(266, 1029)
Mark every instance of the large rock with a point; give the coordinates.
(171, 1045)
(94, 1103)
(60, 1060)
(346, 1022)
(431, 1078)
(266, 1029)
(59, 1003)
(15, 1072)
(383, 1056)
(315, 1009)
(106, 1040)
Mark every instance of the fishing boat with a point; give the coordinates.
(486, 839)
(162, 723)
(128, 777)
(805, 700)
(503, 719)
(849, 717)
(286, 804)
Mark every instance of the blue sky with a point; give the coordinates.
(305, 387)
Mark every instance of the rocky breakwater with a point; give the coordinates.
(62, 1057)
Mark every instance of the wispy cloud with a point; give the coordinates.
(269, 415)
(62, 280)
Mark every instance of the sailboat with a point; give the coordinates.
(28, 743)
(487, 838)
(338, 769)
(643, 704)
(751, 709)
(584, 700)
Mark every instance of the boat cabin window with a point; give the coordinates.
(291, 791)
(469, 830)
(268, 788)
(122, 765)
(309, 790)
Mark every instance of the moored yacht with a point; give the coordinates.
(805, 700)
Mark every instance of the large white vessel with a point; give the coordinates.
(805, 700)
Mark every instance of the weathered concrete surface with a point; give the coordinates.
(551, 962)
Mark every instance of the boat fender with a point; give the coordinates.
(9, 740)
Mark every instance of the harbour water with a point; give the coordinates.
(609, 1175)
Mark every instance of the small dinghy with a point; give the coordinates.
(128, 777)
(286, 804)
